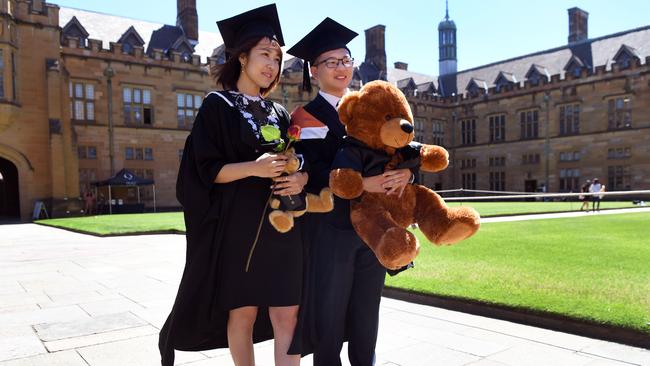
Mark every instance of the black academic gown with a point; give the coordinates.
(319, 154)
(196, 322)
(344, 279)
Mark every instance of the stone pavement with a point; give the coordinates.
(68, 299)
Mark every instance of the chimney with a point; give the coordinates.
(37, 6)
(578, 25)
(401, 65)
(376, 48)
(188, 19)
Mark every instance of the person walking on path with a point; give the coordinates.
(585, 197)
(595, 187)
(89, 201)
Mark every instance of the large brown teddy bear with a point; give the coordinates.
(379, 127)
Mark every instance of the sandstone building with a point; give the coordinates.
(85, 94)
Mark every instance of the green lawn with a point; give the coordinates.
(173, 221)
(593, 267)
(487, 209)
(121, 224)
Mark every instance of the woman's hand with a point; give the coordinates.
(396, 180)
(289, 185)
(269, 165)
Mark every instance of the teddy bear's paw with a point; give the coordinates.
(434, 158)
(464, 222)
(327, 199)
(324, 202)
(281, 221)
(456, 232)
(275, 203)
(397, 248)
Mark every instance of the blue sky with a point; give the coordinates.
(488, 31)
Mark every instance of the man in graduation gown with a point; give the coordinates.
(341, 301)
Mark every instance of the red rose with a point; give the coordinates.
(293, 133)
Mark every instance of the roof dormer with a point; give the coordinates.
(74, 29)
(537, 74)
(183, 46)
(625, 55)
(504, 79)
(428, 88)
(407, 86)
(574, 66)
(476, 86)
(129, 39)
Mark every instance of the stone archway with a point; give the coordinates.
(9, 193)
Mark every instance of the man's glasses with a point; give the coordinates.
(333, 63)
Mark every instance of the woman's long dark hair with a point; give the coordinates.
(227, 74)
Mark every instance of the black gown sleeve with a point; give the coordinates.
(203, 157)
(316, 162)
(195, 322)
(209, 158)
(348, 157)
(411, 159)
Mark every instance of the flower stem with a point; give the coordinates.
(259, 228)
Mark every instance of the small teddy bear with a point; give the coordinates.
(282, 220)
(379, 126)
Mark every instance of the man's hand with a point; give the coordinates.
(289, 185)
(396, 180)
(374, 184)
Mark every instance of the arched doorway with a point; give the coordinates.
(9, 198)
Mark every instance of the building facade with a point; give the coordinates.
(76, 109)
(84, 95)
(547, 121)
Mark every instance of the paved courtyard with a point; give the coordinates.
(69, 299)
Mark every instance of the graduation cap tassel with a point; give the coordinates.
(306, 78)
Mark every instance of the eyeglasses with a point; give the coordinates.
(333, 63)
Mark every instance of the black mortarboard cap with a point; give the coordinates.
(328, 35)
(260, 22)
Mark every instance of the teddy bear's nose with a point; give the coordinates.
(406, 127)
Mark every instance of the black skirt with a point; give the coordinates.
(221, 222)
(274, 277)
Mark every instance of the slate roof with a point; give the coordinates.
(394, 75)
(428, 87)
(109, 28)
(591, 52)
(164, 37)
(406, 83)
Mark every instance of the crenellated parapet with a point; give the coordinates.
(116, 52)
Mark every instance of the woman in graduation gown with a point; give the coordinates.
(223, 184)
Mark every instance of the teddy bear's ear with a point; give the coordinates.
(346, 106)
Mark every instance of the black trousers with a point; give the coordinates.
(347, 292)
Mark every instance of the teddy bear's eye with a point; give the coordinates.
(388, 117)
